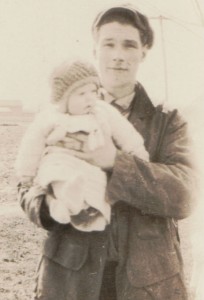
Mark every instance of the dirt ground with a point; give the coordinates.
(21, 241)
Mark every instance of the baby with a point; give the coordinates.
(78, 187)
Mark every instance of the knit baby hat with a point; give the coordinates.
(68, 77)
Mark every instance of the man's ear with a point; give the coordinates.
(144, 52)
(94, 52)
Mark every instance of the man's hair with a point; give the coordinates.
(124, 15)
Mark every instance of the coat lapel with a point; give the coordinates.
(141, 110)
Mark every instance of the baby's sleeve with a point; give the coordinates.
(31, 149)
(125, 136)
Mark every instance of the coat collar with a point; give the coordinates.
(141, 104)
(123, 102)
(138, 102)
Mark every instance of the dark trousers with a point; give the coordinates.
(108, 287)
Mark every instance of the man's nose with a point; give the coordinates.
(118, 54)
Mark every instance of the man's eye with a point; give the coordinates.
(109, 45)
(130, 45)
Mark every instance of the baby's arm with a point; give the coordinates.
(126, 137)
(31, 150)
(75, 123)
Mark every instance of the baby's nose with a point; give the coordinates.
(90, 99)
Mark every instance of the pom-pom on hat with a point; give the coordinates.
(68, 77)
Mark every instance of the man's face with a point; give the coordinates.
(119, 52)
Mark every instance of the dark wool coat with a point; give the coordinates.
(147, 200)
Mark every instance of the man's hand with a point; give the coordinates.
(103, 157)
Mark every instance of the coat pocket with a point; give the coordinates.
(152, 255)
(68, 251)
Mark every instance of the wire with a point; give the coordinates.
(199, 11)
(167, 14)
(195, 8)
(177, 43)
(181, 20)
(169, 17)
(188, 29)
(180, 23)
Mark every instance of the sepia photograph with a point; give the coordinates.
(101, 146)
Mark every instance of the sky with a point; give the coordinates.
(37, 35)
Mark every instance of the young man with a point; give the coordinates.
(138, 255)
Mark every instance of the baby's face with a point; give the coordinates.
(82, 100)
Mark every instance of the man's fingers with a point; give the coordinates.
(76, 141)
(79, 154)
(77, 145)
(78, 136)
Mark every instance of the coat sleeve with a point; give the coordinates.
(33, 202)
(162, 188)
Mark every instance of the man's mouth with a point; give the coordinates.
(118, 69)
